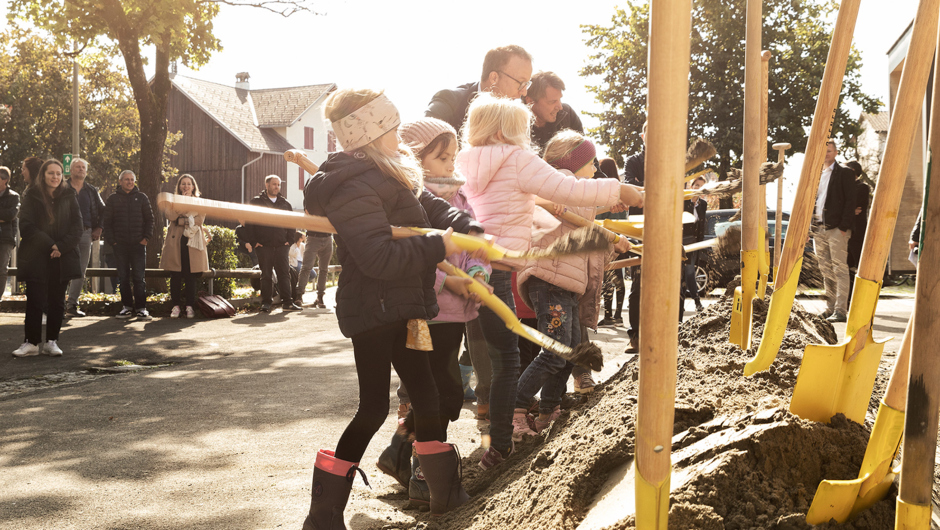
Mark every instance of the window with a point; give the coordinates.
(330, 142)
(300, 177)
(308, 137)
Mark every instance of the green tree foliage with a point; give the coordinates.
(36, 89)
(178, 30)
(797, 33)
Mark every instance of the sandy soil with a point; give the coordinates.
(753, 464)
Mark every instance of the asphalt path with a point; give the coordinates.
(219, 431)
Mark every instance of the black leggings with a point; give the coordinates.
(376, 351)
(446, 337)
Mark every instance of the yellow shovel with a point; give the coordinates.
(754, 144)
(791, 261)
(668, 104)
(840, 378)
(923, 394)
(843, 499)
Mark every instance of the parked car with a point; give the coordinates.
(716, 267)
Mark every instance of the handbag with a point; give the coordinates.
(214, 306)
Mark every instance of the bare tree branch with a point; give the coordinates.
(285, 8)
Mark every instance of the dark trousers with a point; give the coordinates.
(376, 351)
(131, 262)
(614, 285)
(634, 300)
(446, 338)
(48, 295)
(183, 277)
(276, 260)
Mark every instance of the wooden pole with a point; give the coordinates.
(764, 108)
(666, 141)
(778, 218)
(923, 394)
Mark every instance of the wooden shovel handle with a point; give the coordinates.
(576, 219)
(831, 87)
(905, 121)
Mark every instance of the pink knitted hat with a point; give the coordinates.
(575, 159)
(421, 132)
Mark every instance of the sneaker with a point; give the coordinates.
(520, 425)
(634, 346)
(291, 307)
(142, 314)
(26, 350)
(826, 314)
(265, 308)
(837, 316)
(698, 306)
(541, 425)
(618, 321)
(74, 311)
(319, 303)
(492, 457)
(584, 383)
(175, 312)
(126, 312)
(606, 321)
(189, 312)
(52, 349)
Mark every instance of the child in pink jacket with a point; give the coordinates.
(554, 289)
(504, 175)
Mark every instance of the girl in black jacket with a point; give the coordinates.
(386, 287)
(50, 229)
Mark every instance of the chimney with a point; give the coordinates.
(242, 80)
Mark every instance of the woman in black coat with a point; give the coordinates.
(50, 229)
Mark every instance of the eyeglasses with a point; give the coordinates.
(523, 85)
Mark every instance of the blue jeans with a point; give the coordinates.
(557, 311)
(503, 347)
(131, 262)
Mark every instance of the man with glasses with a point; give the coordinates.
(507, 71)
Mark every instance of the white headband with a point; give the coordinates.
(367, 123)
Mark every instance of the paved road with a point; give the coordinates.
(223, 437)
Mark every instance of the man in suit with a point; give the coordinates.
(833, 220)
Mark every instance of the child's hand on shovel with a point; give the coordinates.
(631, 195)
(449, 247)
(622, 245)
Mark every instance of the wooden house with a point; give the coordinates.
(233, 137)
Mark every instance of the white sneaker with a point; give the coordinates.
(126, 312)
(26, 350)
(142, 314)
(52, 349)
(189, 312)
(175, 312)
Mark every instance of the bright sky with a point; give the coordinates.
(412, 48)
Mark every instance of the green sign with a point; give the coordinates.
(67, 163)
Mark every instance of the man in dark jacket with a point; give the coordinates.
(9, 208)
(272, 245)
(92, 210)
(551, 115)
(634, 172)
(507, 71)
(833, 221)
(128, 227)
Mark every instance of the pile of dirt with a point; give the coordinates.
(760, 469)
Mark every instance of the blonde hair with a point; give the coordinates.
(561, 144)
(403, 168)
(489, 115)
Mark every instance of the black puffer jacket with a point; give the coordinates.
(128, 217)
(451, 105)
(383, 280)
(9, 208)
(38, 234)
(269, 236)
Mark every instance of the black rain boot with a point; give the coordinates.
(440, 464)
(332, 482)
(418, 492)
(395, 460)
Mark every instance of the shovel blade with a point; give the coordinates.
(778, 316)
(652, 502)
(743, 297)
(844, 499)
(827, 385)
(841, 377)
